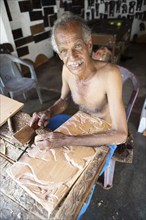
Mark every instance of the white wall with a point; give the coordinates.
(5, 28)
(22, 20)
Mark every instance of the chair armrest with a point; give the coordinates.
(31, 68)
(131, 103)
(1, 83)
(25, 63)
(2, 87)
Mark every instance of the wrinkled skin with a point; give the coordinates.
(52, 140)
(41, 118)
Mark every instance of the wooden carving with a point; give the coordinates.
(54, 176)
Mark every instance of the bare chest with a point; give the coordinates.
(89, 96)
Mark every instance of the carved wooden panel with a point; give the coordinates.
(49, 175)
(23, 204)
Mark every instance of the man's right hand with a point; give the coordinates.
(41, 118)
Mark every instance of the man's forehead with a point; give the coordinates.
(68, 33)
(70, 39)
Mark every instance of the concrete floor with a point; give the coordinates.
(126, 200)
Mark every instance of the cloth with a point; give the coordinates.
(57, 120)
(112, 150)
(85, 206)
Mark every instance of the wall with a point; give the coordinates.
(29, 22)
(30, 27)
(6, 33)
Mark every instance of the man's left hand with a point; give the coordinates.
(51, 140)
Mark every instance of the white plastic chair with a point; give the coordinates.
(12, 82)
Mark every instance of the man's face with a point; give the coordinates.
(73, 51)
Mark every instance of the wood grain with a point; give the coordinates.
(9, 107)
(22, 201)
(25, 134)
(49, 175)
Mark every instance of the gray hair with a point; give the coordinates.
(66, 18)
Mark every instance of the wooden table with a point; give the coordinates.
(9, 107)
(112, 33)
(16, 203)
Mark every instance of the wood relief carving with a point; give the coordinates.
(28, 207)
(48, 175)
(70, 208)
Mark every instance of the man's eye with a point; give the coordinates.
(78, 46)
(64, 51)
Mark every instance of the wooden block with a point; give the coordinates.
(38, 28)
(48, 175)
(25, 134)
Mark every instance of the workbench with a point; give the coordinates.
(16, 203)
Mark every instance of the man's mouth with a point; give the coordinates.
(74, 65)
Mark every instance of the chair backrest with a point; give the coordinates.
(8, 67)
(107, 40)
(127, 75)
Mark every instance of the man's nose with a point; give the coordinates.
(72, 54)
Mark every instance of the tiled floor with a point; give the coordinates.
(127, 199)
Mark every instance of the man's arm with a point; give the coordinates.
(61, 104)
(58, 107)
(118, 132)
(116, 106)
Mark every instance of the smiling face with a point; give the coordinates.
(73, 51)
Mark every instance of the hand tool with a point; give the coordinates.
(26, 133)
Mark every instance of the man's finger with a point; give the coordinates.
(38, 138)
(41, 137)
(34, 118)
(42, 120)
(42, 145)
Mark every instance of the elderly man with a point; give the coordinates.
(95, 86)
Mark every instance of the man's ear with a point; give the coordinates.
(90, 45)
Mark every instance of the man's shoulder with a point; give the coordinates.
(112, 74)
(108, 71)
(107, 68)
